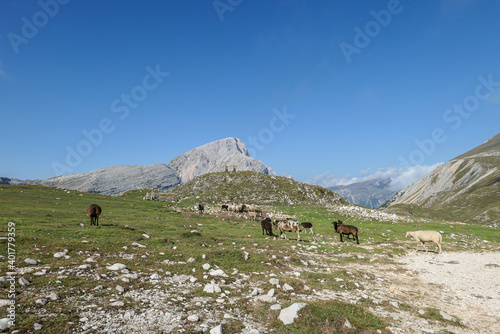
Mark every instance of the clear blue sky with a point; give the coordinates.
(320, 90)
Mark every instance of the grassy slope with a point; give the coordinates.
(49, 220)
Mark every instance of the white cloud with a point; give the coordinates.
(401, 177)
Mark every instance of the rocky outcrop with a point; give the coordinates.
(216, 156)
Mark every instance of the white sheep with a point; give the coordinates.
(426, 236)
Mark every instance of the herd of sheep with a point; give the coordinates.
(291, 225)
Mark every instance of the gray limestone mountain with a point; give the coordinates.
(216, 156)
(371, 193)
(211, 157)
(466, 188)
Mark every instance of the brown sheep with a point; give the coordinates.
(341, 229)
(267, 226)
(93, 211)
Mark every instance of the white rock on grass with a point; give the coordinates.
(217, 330)
(288, 315)
(53, 296)
(117, 266)
(155, 276)
(4, 324)
(274, 281)
(218, 272)
(212, 287)
(193, 318)
(206, 266)
(41, 301)
(61, 254)
(23, 281)
(287, 287)
(30, 261)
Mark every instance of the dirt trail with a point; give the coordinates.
(466, 285)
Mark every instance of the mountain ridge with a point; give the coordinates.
(212, 157)
(371, 194)
(466, 188)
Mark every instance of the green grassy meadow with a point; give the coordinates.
(49, 220)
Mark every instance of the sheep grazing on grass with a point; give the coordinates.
(342, 229)
(267, 227)
(426, 236)
(287, 225)
(224, 207)
(201, 208)
(93, 211)
(252, 215)
(307, 226)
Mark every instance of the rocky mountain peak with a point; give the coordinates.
(218, 156)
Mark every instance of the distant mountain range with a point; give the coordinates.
(466, 188)
(371, 193)
(217, 156)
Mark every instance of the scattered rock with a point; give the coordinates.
(41, 301)
(217, 330)
(274, 281)
(4, 324)
(212, 287)
(61, 254)
(23, 281)
(288, 315)
(53, 296)
(446, 316)
(31, 261)
(218, 272)
(37, 326)
(117, 266)
(193, 318)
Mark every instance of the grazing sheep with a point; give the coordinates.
(250, 208)
(238, 208)
(224, 207)
(426, 236)
(259, 213)
(93, 211)
(267, 226)
(341, 229)
(307, 225)
(201, 208)
(287, 225)
(252, 215)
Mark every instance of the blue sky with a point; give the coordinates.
(325, 91)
